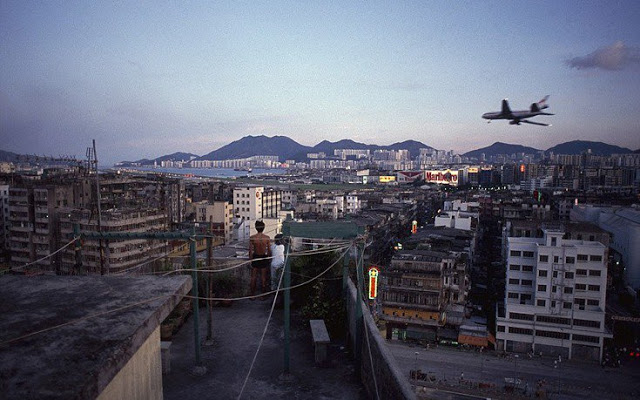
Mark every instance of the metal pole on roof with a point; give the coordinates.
(199, 369)
(359, 318)
(287, 311)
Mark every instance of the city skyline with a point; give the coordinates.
(146, 80)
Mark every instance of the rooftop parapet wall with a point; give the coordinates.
(379, 372)
(87, 328)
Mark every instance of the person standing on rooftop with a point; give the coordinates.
(259, 253)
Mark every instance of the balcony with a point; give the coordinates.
(37, 239)
(21, 227)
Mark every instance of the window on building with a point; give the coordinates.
(542, 273)
(581, 286)
(586, 323)
(568, 275)
(544, 258)
(570, 260)
(514, 267)
(513, 281)
(554, 241)
(567, 305)
(595, 288)
(500, 328)
(595, 258)
(541, 303)
(520, 316)
(583, 258)
(553, 320)
(527, 254)
(594, 272)
(526, 282)
(512, 295)
(542, 288)
(527, 268)
(568, 290)
(593, 302)
(556, 259)
(585, 338)
(581, 272)
(515, 253)
(552, 334)
(520, 331)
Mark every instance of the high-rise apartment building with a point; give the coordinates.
(555, 297)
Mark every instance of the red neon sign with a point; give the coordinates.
(373, 282)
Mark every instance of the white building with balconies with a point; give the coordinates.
(555, 297)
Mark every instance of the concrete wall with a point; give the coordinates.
(141, 377)
(379, 372)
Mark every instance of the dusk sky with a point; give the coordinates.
(151, 78)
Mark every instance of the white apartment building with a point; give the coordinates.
(555, 297)
(353, 204)
(247, 202)
(251, 203)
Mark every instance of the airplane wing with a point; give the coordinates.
(533, 123)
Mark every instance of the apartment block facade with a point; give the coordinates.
(418, 287)
(555, 297)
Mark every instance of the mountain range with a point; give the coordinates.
(288, 149)
(573, 147)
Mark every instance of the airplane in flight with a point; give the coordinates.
(517, 117)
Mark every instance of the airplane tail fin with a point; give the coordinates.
(541, 105)
(506, 111)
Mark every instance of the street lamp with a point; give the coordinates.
(415, 366)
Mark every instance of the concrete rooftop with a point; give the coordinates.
(236, 336)
(76, 360)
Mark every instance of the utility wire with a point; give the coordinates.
(273, 291)
(235, 266)
(82, 319)
(264, 332)
(45, 257)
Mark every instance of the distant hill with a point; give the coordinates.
(286, 148)
(8, 156)
(178, 156)
(580, 146)
(248, 146)
(328, 147)
(501, 148)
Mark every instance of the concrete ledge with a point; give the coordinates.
(384, 376)
(91, 342)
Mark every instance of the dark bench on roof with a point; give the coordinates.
(320, 340)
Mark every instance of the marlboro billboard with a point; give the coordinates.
(446, 177)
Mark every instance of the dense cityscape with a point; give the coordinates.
(319, 200)
(516, 254)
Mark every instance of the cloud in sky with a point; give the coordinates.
(611, 58)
